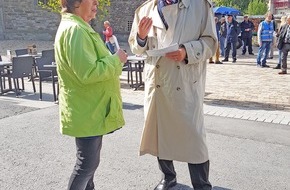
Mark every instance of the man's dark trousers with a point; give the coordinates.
(229, 46)
(199, 173)
(247, 42)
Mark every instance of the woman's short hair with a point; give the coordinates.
(107, 23)
(68, 6)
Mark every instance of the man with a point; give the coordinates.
(247, 28)
(265, 37)
(223, 35)
(284, 44)
(217, 53)
(175, 84)
(233, 30)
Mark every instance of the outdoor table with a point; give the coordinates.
(138, 62)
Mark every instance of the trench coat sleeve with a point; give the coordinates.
(85, 62)
(206, 46)
(135, 47)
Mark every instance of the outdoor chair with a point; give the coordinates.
(48, 53)
(22, 67)
(47, 74)
(21, 52)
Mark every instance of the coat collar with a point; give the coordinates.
(157, 22)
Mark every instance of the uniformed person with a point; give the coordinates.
(233, 31)
(175, 84)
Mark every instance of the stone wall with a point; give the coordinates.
(25, 20)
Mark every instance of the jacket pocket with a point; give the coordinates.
(114, 108)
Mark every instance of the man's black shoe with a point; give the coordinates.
(234, 60)
(277, 67)
(165, 184)
(243, 53)
(225, 60)
(251, 54)
(266, 66)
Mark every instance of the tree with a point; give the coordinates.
(257, 7)
(54, 5)
(239, 4)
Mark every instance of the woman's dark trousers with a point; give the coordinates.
(88, 159)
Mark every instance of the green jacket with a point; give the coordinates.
(90, 101)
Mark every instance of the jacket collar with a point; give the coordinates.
(77, 19)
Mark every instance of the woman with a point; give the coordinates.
(89, 101)
(108, 33)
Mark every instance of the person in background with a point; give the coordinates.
(223, 35)
(233, 31)
(247, 28)
(175, 84)
(217, 53)
(108, 33)
(283, 22)
(90, 103)
(284, 40)
(273, 44)
(265, 38)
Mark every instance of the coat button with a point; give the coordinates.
(153, 46)
(157, 86)
(157, 66)
(178, 88)
(178, 67)
(198, 54)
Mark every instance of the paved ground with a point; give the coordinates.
(239, 90)
(245, 155)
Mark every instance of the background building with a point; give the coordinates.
(279, 7)
(25, 20)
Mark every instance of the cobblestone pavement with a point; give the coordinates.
(237, 90)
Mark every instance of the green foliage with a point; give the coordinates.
(257, 7)
(54, 6)
(238, 4)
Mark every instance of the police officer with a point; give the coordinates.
(247, 28)
(233, 30)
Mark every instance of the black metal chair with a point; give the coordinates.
(48, 53)
(22, 67)
(47, 74)
(21, 52)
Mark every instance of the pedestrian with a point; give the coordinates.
(282, 23)
(265, 38)
(89, 89)
(108, 33)
(247, 28)
(233, 31)
(271, 53)
(217, 53)
(175, 84)
(284, 44)
(223, 35)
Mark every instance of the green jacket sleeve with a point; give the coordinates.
(87, 58)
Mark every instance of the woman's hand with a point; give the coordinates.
(122, 55)
(144, 27)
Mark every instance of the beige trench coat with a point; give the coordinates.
(174, 91)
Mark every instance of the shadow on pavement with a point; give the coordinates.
(185, 187)
(246, 105)
(129, 106)
(219, 188)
